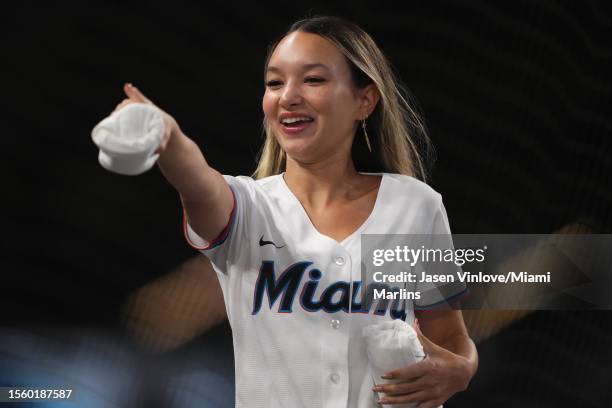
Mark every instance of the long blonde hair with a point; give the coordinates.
(396, 130)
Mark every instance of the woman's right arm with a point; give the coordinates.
(206, 196)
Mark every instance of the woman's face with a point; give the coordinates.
(310, 99)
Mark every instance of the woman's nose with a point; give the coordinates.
(291, 95)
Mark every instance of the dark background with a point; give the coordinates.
(516, 96)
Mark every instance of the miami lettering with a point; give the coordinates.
(334, 298)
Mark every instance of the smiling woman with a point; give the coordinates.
(347, 65)
(329, 91)
(306, 103)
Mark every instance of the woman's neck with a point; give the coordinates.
(320, 184)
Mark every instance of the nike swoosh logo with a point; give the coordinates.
(262, 243)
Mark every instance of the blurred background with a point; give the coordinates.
(99, 290)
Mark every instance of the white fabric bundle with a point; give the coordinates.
(129, 137)
(390, 345)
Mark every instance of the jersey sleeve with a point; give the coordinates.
(225, 250)
(435, 294)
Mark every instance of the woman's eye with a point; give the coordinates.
(314, 79)
(273, 83)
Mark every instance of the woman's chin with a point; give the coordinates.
(302, 153)
(298, 147)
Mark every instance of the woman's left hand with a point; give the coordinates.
(431, 381)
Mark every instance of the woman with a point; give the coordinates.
(294, 233)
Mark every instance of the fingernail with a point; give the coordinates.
(377, 388)
(387, 376)
(383, 401)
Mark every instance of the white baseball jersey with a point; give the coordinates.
(292, 294)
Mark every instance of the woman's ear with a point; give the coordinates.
(369, 98)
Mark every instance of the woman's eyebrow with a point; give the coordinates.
(306, 67)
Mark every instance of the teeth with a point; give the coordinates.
(293, 120)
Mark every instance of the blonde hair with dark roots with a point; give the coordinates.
(396, 130)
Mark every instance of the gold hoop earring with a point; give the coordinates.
(365, 134)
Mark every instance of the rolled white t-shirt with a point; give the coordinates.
(389, 345)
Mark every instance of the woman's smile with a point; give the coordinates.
(293, 123)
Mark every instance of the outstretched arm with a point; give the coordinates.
(206, 196)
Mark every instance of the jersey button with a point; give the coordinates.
(335, 378)
(335, 323)
(340, 261)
